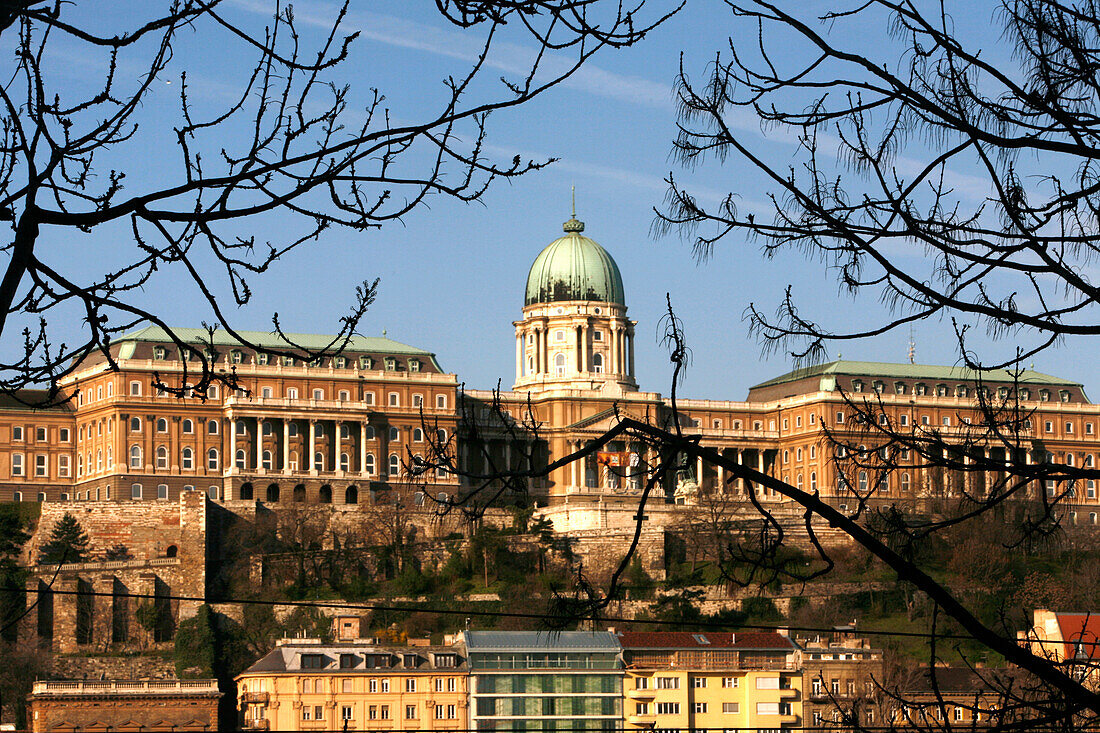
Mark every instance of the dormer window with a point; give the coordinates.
(365, 362)
(349, 661)
(377, 661)
(391, 364)
(1025, 394)
(339, 362)
(410, 661)
(160, 353)
(446, 660)
(1044, 395)
(899, 387)
(288, 361)
(317, 361)
(857, 385)
(261, 359)
(313, 661)
(921, 389)
(961, 391)
(236, 356)
(414, 365)
(878, 386)
(941, 390)
(1063, 395)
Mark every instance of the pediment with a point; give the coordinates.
(604, 420)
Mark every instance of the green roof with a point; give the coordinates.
(268, 340)
(886, 370)
(574, 268)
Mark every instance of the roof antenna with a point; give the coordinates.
(574, 190)
(912, 347)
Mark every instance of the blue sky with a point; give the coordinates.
(452, 275)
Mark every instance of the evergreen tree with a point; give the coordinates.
(68, 542)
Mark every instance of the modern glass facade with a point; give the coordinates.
(534, 686)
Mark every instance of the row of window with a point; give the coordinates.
(236, 356)
(18, 434)
(292, 393)
(700, 708)
(318, 686)
(960, 390)
(41, 465)
(673, 683)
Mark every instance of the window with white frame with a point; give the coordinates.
(135, 389)
(394, 399)
(17, 466)
(441, 401)
(212, 459)
(162, 491)
(187, 459)
(135, 491)
(135, 456)
(188, 427)
(395, 464)
(63, 466)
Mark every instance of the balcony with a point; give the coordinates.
(788, 693)
(256, 724)
(643, 694)
(646, 720)
(256, 698)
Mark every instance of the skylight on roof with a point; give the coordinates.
(701, 639)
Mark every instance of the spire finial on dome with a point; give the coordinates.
(574, 225)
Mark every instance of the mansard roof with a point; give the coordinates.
(887, 370)
(269, 340)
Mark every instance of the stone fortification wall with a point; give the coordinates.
(91, 606)
(149, 530)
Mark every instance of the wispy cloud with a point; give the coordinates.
(508, 57)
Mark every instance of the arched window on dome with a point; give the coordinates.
(597, 363)
(559, 363)
(530, 365)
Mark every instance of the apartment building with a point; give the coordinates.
(681, 681)
(305, 685)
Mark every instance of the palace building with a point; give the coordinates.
(339, 429)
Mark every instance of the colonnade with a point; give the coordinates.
(578, 349)
(332, 451)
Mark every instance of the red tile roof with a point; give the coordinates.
(704, 640)
(1081, 633)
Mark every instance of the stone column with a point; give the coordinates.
(699, 472)
(312, 447)
(613, 365)
(259, 444)
(363, 448)
(519, 354)
(339, 447)
(585, 329)
(578, 349)
(286, 446)
(538, 350)
(231, 463)
(572, 447)
(630, 343)
(721, 478)
(760, 467)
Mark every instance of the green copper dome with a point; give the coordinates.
(574, 267)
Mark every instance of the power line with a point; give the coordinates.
(357, 606)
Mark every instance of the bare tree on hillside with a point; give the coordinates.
(290, 139)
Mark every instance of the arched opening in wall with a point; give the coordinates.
(172, 551)
(597, 363)
(325, 496)
(245, 491)
(84, 611)
(120, 613)
(300, 493)
(351, 495)
(273, 492)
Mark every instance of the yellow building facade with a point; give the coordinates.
(304, 685)
(681, 681)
